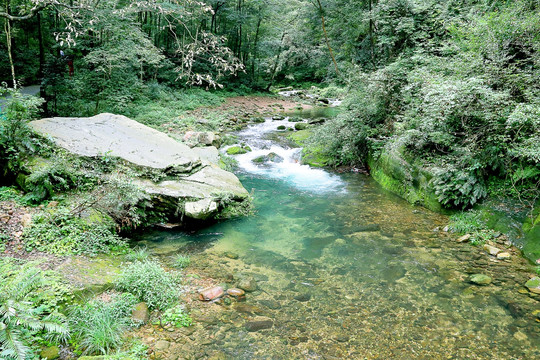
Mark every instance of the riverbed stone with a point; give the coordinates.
(140, 313)
(235, 292)
(303, 297)
(533, 285)
(162, 345)
(259, 324)
(230, 255)
(480, 279)
(504, 255)
(492, 250)
(248, 284)
(464, 238)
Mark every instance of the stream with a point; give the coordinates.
(346, 270)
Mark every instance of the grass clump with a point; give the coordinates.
(472, 222)
(150, 283)
(181, 261)
(97, 326)
(138, 254)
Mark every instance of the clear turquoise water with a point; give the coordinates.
(347, 270)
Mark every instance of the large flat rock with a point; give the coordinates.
(117, 135)
(195, 184)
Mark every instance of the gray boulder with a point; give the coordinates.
(194, 186)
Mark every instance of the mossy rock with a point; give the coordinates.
(281, 127)
(395, 174)
(300, 137)
(50, 353)
(236, 150)
(533, 285)
(295, 119)
(301, 126)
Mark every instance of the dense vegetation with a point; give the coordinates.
(450, 87)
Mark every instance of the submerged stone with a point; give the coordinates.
(480, 279)
(248, 284)
(235, 292)
(211, 293)
(533, 285)
(257, 325)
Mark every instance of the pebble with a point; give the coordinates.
(480, 279)
(162, 345)
(492, 250)
(248, 284)
(235, 292)
(256, 325)
(464, 238)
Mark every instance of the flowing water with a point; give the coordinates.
(346, 270)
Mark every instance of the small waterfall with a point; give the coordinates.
(287, 165)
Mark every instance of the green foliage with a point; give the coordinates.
(60, 232)
(17, 140)
(472, 222)
(97, 327)
(150, 283)
(227, 163)
(466, 222)
(138, 254)
(9, 194)
(50, 178)
(136, 351)
(176, 316)
(181, 261)
(458, 188)
(29, 299)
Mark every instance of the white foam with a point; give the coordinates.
(302, 177)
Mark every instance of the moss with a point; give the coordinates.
(300, 137)
(531, 240)
(236, 150)
(315, 158)
(395, 174)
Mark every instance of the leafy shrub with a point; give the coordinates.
(29, 299)
(458, 188)
(17, 140)
(466, 222)
(150, 283)
(176, 316)
(97, 327)
(49, 179)
(9, 194)
(61, 233)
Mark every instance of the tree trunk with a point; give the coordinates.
(326, 36)
(7, 28)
